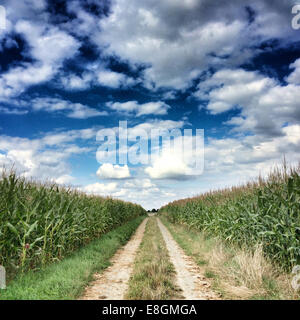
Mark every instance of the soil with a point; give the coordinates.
(189, 278)
(112, 284)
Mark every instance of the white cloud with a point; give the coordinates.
(265, 105)
(95, 74)
(65, 179)
(49, 47)
(168, 166)
(154, 108)
(178, 40)
(150, 125)
(100, 188)
(110, 171)
(14, 111)
(16, 80)
(113, 79)
(75, 110)
(33, 157)
(61, 138)
(140, 183)
(244, 159)
(73, 82)
(157, 46)
(34, 163)
(176, 161)
(48, 44)
(294, 77)
(84, 23)
(120, 194)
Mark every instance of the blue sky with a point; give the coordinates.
(71, 68)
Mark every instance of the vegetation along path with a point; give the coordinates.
(112, 284)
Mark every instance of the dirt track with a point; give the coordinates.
(113, 282)
(194, 285)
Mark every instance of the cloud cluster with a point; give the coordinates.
(169, 47)
(265, 105)
(179, 40)
(94, 75)
(44, 158)
(49, 48)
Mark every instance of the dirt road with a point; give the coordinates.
(113, 282)
(189, 278)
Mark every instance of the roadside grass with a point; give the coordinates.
(67, 279)
(234, 272)
(153, 274)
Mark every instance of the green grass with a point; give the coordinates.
(209, 274)
(41, 223)
(67, 279)
(153, 275)
(265, 212)
(235, 273)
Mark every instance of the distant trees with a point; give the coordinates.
(153, 210)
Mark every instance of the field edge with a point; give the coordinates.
(66, 279)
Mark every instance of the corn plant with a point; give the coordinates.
(42, 223)
(266, 211)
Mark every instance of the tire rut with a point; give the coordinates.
(112, 284)
(189, 278)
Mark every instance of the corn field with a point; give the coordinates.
(41, 223)
(264, 212)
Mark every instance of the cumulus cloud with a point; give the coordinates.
(100, 188)
(95, 74)
(74, 110)
(72, 82)
(33, 163)
(181, 158)
(113, 79)
(294, 77)
(178, 40)
(110, 171)
(140, 183)
(168, 166)
(32, 158)
(168, 47)
(150, 125)
(145, 192)
(14, 111)
(252, 154)
(265, 105)
(154, 108)
(49, 47)
(65, 179)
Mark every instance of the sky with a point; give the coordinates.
(71, 68)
